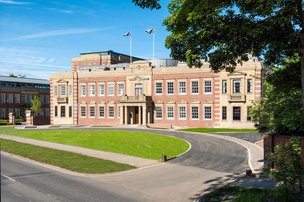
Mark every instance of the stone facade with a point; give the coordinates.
(113, 93)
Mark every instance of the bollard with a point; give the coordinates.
(248, 172)
(164, 158)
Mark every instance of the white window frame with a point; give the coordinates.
(109, 90)
(121, 91)
(110, 111)
(85, 112)
(249, 85)
(191, 107)
(99, 110)
(167, 85)
(90, 111)
(180, 111)
(224, 86)
(157, 112)
(157, 88)
(194, 93)
(207, 87)
(55, 90)
(70, 90)
(205, 112)
(83, 90)
(234, 81)
(171, 112)
(62, 90)
(101, 90)
(92, 89)
(181, 88)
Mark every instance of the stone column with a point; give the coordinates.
(121, 115)
(126, 115)
(29, 118)
(149, 118)
(144, 115)
(139, 113)
(11, 118)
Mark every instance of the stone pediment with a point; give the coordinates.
(62, 81)
(138, 78)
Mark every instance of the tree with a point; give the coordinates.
(36, 105)
(225, 31)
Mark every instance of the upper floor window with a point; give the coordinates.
(111, 89)
(55, 91)
(83, 90)
(62, 90)
(92, 89)
(208, 87)
(70, 90)
(194, 87)
(121, 88)
(17, 98)
(182, 87)
(10, 98)
(170, 88)
(158, 112)
(249, 86)
(101, 89)
(224, 86)
(236, 86)
(138, 89)
(158, 88)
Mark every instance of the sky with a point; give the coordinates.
(38, 38)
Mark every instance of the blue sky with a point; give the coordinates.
(39, 37)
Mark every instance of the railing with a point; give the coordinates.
(237, 98)
(139, 98)
(62, 99)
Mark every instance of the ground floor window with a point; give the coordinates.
(158, 112)
(182, 112)
(56, 111)
(111, 112)
(236, 113)
(70, 111)
(208, 113)
(62, 111)
(224, 113)
(170, 112)
(92, 111)
(248, 114)
(101, 112)
(194, 112)
(83, 111)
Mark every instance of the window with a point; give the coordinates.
(47, 111)
(62, 91)
(55, 91)
(2, 98)
(83, 111)
(17, 98)
(56, 111)
(121, 88)
(224, 86)
(182, 87)
(101, 89)
(249, 86)
(194, 87)
(224, 113)
(208, 113)
(83, 90)
(92, 111)
(47, 99)
(111, 112)
(194, 112)
(158, 88)
(92, 89)
(101, 112)
(182, 112)
(3, 113)
(70, 111)
(10, 98)
(138, 89)
(170, 112)
(62, 111)
(111, 89)
(17, 111)
(170, 88)
(70, 90)
(236, 113)
(208, 87)
(248, 114)
(236, 86)
(158, 112)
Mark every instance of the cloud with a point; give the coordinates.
(62, 32)
(64, 11)
(14, 2)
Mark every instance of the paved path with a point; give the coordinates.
(134, 161)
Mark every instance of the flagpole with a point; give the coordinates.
(130, 48)
(153, 47)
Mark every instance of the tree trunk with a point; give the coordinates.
(302, 67)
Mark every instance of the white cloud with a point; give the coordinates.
(14, 2)
(61, 32)
(64, 11)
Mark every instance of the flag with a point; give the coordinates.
(127, 34)
(149, 31)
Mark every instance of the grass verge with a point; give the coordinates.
(7, 127)
(240, 194)
(216, 130)
(140, 144)
(67, 160)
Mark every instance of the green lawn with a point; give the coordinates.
(140, 144)
(7, 127)
(215, 130)
(63, 159)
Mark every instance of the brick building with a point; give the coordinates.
(104, 89)
(16, 96)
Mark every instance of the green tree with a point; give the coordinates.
(225, 31)
(36, 105)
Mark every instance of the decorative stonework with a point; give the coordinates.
(138, 78)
